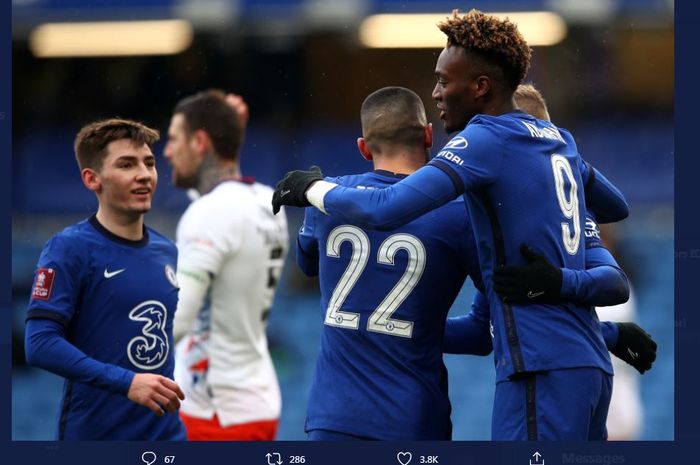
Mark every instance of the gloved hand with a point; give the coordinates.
(635, 346)
(292, 188)
(538, 281)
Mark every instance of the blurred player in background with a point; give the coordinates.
(626, 412)
(231, 254)
(554, 374)
(104, 296)
(531, 101)
(626, 415)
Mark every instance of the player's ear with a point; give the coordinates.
(201, 141)
(364, 149)
(482, 85)
(428, 135)
(91, 179)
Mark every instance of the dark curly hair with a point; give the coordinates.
(495, 40)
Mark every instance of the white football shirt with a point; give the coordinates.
(229, 240)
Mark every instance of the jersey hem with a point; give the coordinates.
(376, 433)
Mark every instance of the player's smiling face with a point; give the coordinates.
(454, 90)
(127, 179)
(180, 151)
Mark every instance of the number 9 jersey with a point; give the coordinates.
(524, 184)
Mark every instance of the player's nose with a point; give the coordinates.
(168, 151)
(436, 93)
(145, 172)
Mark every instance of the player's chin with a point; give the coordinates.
(183, 182)
(141, 206)
(174, 178)
(449, 127)
(445, 119)
(454, 124)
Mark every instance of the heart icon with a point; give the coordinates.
(404, 458)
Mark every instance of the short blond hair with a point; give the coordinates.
(530, 100)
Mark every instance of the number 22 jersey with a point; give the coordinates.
(385, 296)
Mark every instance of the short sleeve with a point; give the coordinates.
(57, 280)
(472, 159)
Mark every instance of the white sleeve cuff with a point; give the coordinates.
(317, 192)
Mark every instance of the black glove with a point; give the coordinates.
(538, 281)
(292, 188)
(635, 346)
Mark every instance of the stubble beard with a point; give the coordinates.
(182, 182)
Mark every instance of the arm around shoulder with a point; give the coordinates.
(392, 207)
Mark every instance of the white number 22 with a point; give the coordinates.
(380, 320)
(569, 207)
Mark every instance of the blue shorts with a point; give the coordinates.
(328, 435)
(558, 405)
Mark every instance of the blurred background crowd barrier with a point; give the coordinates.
(304, 67)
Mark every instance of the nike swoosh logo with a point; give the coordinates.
(634, 355)
(283, 193)
(532, 295)
(110, 274)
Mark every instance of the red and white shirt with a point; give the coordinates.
(231, 252)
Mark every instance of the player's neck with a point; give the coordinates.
(216, 171)
(405, 162)
(500, 106)
(128, 226)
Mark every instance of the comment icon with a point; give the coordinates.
(148, 457)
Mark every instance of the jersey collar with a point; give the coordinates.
(390, 174)
(243, 179)
(114, 238)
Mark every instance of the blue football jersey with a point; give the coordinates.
(116, 298)
(385, 296)
(523, 185)
(602, 281)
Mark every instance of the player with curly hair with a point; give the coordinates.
(524, 182)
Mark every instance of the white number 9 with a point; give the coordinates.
(569, 207)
